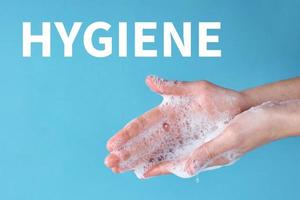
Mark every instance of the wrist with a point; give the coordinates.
(247, 100)
(286, 118)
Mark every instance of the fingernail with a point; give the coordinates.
(111, 160)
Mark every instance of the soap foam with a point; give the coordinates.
(184, 127)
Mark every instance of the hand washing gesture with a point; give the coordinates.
(200, 126)
(164, 139)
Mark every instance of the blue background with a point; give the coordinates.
(57, 113)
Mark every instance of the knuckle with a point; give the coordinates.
(204, 85)
(140, 122)
(126, 134)
(205, 89)
(208, 152)
(123, 154)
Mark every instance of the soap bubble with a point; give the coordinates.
(185, 126)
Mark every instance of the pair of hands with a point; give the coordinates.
(245, 131)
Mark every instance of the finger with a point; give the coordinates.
(217, 162)
(168, 87)
(209, 151)
(115, 170)
(160, 169)
(226, 158)
(198, 159)
(149, 151)
(133, 128)
(111, 161)
(143, 149)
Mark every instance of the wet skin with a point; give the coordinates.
(245, 132)
(206, 98)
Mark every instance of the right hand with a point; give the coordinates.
(247, 131)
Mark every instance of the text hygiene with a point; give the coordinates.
(170, 37)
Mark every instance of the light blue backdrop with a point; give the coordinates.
(57, 113)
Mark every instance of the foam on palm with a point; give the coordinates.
(184, 127)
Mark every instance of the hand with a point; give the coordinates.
(191, 114)
(248, 130)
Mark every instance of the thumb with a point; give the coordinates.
(209, 152)
(167, 87)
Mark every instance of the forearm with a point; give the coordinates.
(279, 91)
(288, 115)
(280, 119)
